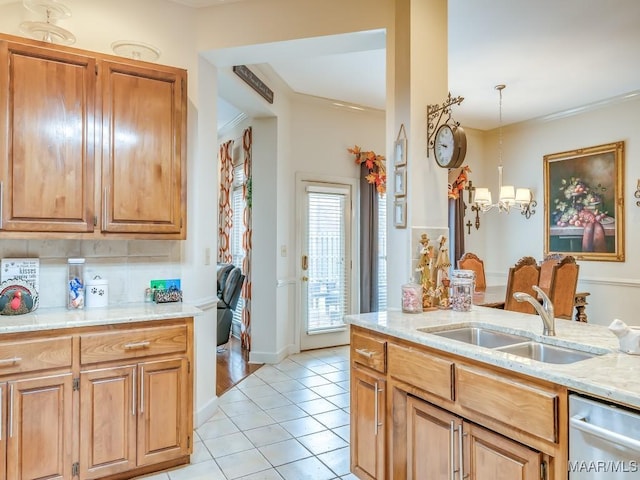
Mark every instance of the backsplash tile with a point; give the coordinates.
(128, 265)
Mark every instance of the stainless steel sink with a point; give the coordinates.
(546, 353)
(482, 337)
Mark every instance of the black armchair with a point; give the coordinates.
(228, 295)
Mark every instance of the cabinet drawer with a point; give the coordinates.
(429, 373)
(124, 344)
(36, 354)
(368, 351)
(529, 408)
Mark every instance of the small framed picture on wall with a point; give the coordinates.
(400, 182)
(400, 213)
(400, 153)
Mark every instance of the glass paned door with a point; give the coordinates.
(326, 265)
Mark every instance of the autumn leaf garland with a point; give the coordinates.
(376, 164)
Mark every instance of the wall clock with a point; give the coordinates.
(450, 145)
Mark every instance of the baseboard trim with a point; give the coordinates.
(201, 416)
(271, 357)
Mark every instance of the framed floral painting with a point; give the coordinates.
(583, 203)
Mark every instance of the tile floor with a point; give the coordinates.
(287, 421)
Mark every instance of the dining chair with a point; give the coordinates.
(522, 277)
(562, 290)
(546, 270)
(470, 261)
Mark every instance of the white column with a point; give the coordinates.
(417, 56)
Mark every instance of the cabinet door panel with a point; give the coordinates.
(429, 441)
(47, 103)
(493, 456)
(368, 407)
(107, 421)
(163, 428)
(38, 430)
(143, 126)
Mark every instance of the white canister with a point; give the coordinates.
(97, 292)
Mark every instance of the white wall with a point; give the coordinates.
(503, 239)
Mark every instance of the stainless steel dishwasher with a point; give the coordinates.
(604, 441)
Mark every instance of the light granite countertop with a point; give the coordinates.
(611, 374)
(54, 318)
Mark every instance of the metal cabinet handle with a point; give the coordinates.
(137, 345)
(9, 361)
(10, 410)
(364, 353)
(375, 409)
(104, 207)
(141, 389)
(460, 453)
(580, 422)
(134, 388)
(376, 418)
(452, 446)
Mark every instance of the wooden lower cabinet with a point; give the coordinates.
(105, 401)
(368, 413)
(37, 427)
(443, 446)
(132, 416)
(425, 414)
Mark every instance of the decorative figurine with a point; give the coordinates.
(434, 272)
(17, 297)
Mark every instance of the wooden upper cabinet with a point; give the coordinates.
(47, 112)
(91, 145)
(143, 149)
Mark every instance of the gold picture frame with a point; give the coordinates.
(584, 203)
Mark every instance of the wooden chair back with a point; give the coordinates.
(546, 270)
(522, 277)
(470, 261)
(564, 281)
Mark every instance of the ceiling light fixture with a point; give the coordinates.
(136, 50)
(509, 196)
(48, 31)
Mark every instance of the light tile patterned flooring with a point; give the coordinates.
(287, 421)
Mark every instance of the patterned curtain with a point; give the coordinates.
(245, 330)
(225, 211)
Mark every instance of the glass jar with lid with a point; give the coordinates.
(412, 297)
(462, 288)
(75, 283)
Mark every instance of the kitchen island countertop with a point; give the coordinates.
(55, 318)
(611, 375)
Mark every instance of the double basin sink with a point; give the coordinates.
(519, 345)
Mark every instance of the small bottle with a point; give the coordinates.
(411, 297)
(75, 283)
(462, 288)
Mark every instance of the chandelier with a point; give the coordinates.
(509, 196)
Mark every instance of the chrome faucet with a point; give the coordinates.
(545, 310)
